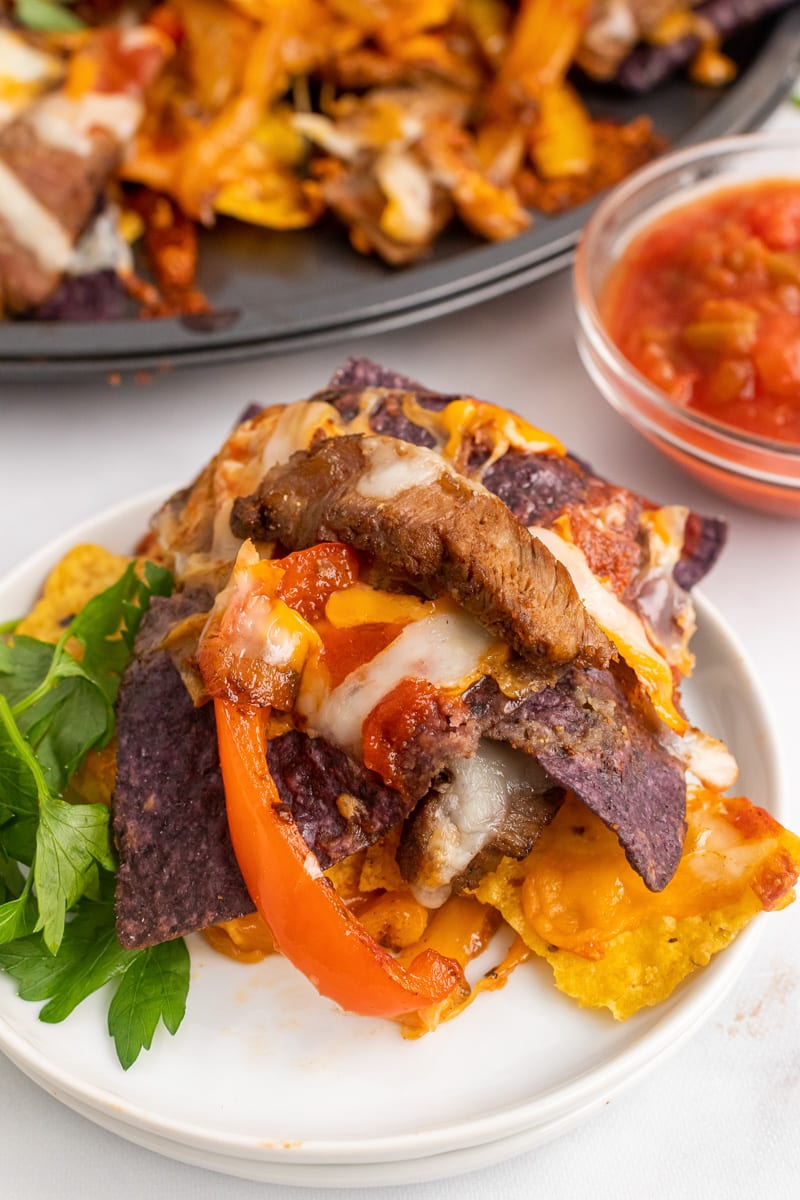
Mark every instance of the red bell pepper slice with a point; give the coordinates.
(310, 923)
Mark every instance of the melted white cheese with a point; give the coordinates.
(68, 124)
(408, 217)
(625, 629)
(320, 129)
(445, 649)
(708, 759)
(295, 429)
(102, 246)
(474, 804)
(31, 225)
(24, 72)
(21, 62)
(394, 467)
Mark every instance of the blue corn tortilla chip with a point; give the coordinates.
(177, 869)
(590, 739)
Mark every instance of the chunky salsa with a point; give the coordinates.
(706, 303)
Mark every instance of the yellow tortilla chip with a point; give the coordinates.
(81, 574)
(345, 874)
(380, 869)
(640, 967)
(93, 782)
(612, 944)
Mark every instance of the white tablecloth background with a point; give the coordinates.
(719, 1119)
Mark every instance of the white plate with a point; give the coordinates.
(271, 1082)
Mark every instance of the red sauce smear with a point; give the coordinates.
(312, 576)
(344, 650)
(394, 720)
(706, 303)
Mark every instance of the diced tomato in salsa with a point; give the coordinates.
(706, 303)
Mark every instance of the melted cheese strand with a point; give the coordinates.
(463, 419)
(68, 124)
(620, 624)
(31, 225)
(446, 649)
(295, 430)
(394, 467)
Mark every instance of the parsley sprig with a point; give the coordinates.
(57, 937)
(47, 16)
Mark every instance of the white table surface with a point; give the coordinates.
(719, 1119)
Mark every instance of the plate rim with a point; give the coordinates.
(702, 993)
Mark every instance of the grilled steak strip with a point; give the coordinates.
(537, 488)
(438, 530)
(56, 158)
(481, 808)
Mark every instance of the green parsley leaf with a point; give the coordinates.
(107, 626)
(71, 719)
(70, 840)
(17, 917)
(12, 880)
(18, 794)
(154, 988)
(18, 838)
(154, 982)
(57, 931)
(24, 664)
(47, 16)
(89, 957)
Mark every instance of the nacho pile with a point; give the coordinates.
(540, 772)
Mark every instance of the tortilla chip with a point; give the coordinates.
(345, 874)
(621, 947)
(639, 968)
(380, 869)
(93, 782)
(82, 573)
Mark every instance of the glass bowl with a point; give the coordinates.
(756, 471)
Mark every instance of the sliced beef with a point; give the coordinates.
(57, 156)
(538, 488)
(67, 184)
(24, 279)
(589, 738)
(337, 804)
(417, 516)
(177, 869)
(481, 808)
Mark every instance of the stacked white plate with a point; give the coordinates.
(268, 1081)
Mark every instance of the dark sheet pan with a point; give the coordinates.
(278, 292)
